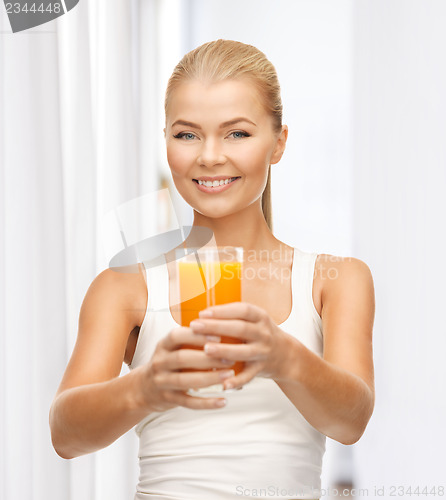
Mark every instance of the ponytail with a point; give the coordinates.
(266, 202)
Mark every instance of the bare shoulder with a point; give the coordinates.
(333, 273)
(126, 290)
(111, 310)
(329, 264)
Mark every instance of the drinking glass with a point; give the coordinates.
(209, 276)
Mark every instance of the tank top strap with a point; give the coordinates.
(157, 288)
(303, 274)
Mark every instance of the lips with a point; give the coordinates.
(215, 184)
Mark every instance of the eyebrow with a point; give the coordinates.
(237, 120)
(223, 125)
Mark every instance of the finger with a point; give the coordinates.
(245, 376)
(182, 335)
(197, 403)
(235, 352)
(193, 380)
(174, 337)
(234, 310)
(235, 328)
(192, 359)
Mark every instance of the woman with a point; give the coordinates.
(305, 324)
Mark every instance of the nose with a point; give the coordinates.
(211, 153)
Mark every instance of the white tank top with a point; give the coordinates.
(258, 445)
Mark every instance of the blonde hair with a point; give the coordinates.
(230, 60)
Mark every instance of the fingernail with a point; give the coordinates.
(206, 313)
(213, 338)
(227, 361)
(196, 325)
(226, 374)
(210, 349)
(220, 403)
(228, 386)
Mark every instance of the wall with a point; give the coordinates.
(399, 206)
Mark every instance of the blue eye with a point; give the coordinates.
(188, 136)
(238, 134)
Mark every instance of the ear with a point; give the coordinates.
(164, 130)
(280, 145)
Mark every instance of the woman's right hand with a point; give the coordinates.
(174, 369)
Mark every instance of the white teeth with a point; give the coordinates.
(215, 183)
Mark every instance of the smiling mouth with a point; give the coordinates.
(215, 183)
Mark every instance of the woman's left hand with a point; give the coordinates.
(264, 347)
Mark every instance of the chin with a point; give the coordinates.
(215, 214)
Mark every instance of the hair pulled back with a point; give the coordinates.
(231, 60)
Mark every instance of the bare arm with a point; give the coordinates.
(334, 393)
(94, 405)
(87, 418)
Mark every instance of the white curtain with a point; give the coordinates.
(80, 134)
(32, 262)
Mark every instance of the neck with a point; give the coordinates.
(247, 229)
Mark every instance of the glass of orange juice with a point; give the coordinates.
(209, 276)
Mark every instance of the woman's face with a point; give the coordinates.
(220, 143)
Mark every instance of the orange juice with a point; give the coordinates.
(203, 284)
